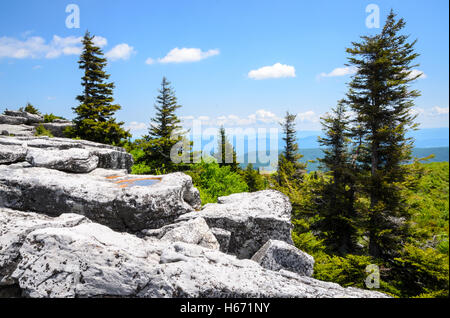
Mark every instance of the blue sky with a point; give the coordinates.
(237, 63)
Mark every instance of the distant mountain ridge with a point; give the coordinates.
(311, 154)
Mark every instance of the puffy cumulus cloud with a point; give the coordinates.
(277, 70)
(120, 52)
(340, 71)
(30, 48)
(36, 47)
(134, 125)
(184, 55)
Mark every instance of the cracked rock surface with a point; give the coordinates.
(69, 256)
(251, 218)
(75, 223)
(98, 197)
(79, 156)
(276, 255)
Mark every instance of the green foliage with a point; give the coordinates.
(165, 141)
(255, 181)
(381, 98)
(346, 271)
(421, 268)
(95, 115)
(42, 131)
(430, 205)
(290, 152)
(226, 155)
(30, 109)
(289, 168)
(49, 118)
(214, 181)
(339, 218)
(422, 272)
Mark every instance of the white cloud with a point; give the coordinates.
(183, 55)
(149, 61)
(36, 47)
(99, 41)
(37, 67)
(277, 70)
(340, 71)
(308, 116)
(261, 116)
(415, 73)
(134, 125)
(266, 116)
(440, 110)
(120, 52)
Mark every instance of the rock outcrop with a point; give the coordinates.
(277, 255)
(251, 218)
(65, 154)
(104, 196)
(70, 256)
(75, 223)
(22, 123)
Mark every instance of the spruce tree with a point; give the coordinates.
(337, 209)
(95, 115)
(226, 155)
(255, 181)
(165, 132)
(381, 98)
(289, 167)
(30, 109)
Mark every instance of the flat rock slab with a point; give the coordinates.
(11, 120)
(76, 258)
(12, 154)
(276, 255)
(77, 160)
(251, 218)
(57, 127)
(17, 130)
(29, 117)
(102, 195)
(71, 155)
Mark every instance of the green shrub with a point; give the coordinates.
(41, 131)
(214, 181)
(421, 272)
(30, 109)
(49, 118)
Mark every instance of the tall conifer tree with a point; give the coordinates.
(339, 218)
(95, 115)
(165, 132)
(381, 98)
(226, 155)
(289, 167)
